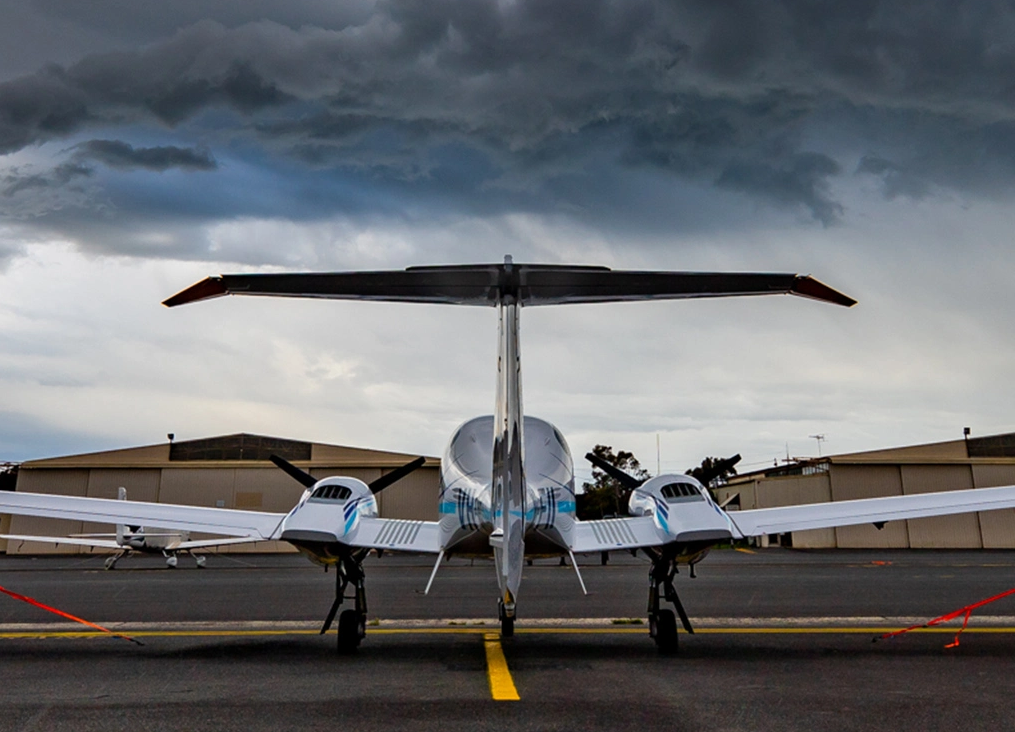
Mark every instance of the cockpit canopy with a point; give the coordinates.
(331, 493)
(680, 493)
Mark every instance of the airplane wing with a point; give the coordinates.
(756, 522)
(395, 535)
(228, 522)
(622, 533)
(208, 543)
(96, 543)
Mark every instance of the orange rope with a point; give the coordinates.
(966, 611)
(61, 613)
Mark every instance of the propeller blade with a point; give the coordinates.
(331, 615)
(628, 481)
(718, 468)
(396, 475)
(305, 479)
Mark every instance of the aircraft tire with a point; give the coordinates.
(507, 627)
(348, 631)
(666, 631)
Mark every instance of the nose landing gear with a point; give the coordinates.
(662, 622)
(352, 623)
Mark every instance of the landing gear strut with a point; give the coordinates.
(662, 622)
(507, 619)
(352, 623)
(110, 562)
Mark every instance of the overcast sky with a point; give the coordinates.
(145, 145)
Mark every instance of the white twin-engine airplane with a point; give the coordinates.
(507, 481)
(137, 540)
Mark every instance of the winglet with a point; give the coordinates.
(206, 289)
(807, 286)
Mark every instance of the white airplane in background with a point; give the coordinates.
(507, 480)
(137, 539)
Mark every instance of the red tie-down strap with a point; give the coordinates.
(62, 614)
(966, 611)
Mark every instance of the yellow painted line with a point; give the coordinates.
(502, 686)
(493, 637)
(745, 551)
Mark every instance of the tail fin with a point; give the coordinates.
(121, 530)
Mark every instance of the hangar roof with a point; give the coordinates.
(229, 451)
(992, 449)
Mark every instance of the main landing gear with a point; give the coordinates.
(662, 622)
(352, 623)
(506, 613)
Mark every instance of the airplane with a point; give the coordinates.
(137, 539)
(507, 484)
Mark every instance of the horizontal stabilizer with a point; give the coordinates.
(529, 284)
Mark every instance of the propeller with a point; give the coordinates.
(304, 478)
(376, 486)
(395, 475)
(625, 479)
(718, 467)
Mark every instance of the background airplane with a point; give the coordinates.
(507, 480)
(137, 539)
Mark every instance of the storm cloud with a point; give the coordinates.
(773, 102)
(120, 155)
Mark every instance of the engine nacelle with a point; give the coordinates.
(682, 508)
(329, 511)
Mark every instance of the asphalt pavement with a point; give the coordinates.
(784, 642)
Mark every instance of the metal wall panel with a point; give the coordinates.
(278, 493)
(141, 485)
(850, 482)
(795, 491)
(961, 531)
(413, 497)
(997, 528)
(58, 482)
(198, 486)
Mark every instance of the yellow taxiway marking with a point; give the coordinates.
(493, 637)
(502, 686)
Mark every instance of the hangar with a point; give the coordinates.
(230, 471)
(981, 462)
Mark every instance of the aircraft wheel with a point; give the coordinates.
(200, 561)
(171, 561)
(665, 626)
(350, 631)
(507, 627)
(110, 563)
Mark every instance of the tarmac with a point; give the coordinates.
(783, 641)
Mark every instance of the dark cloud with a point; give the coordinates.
(120, 155)
(17, 181)
(801, 178)
(488, 106)
(895, 181)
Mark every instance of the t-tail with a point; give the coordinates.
(508, 489)
(509, 287)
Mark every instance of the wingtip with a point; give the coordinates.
(206, 289)
(807, 286)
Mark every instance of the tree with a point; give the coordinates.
(8, 476)
(605, 496)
